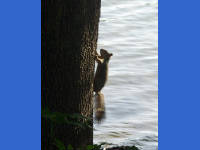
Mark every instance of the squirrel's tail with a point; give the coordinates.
(99, 106)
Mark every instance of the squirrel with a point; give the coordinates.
(101, 74)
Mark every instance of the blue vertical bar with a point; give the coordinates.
(20, 74)
(179, 75)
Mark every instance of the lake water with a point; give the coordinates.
(129, 29)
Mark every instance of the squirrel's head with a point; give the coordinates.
(104, 53)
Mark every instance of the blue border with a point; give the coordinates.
(179, 75)
(20, 65)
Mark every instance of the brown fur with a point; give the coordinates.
(101, 74)
(99, 107)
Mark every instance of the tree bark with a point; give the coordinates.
(69, 40)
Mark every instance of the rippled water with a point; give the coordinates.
(129, 29)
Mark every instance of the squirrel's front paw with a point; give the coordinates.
(96, 56)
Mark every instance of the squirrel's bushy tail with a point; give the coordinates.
(99, 106)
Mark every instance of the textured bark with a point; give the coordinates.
(69, 40)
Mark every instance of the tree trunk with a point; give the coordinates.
(69, 40)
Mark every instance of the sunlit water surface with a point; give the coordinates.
(129, 29)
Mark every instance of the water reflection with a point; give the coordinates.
(99, 107)
(129, 29)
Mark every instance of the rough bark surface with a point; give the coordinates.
(69, 40)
